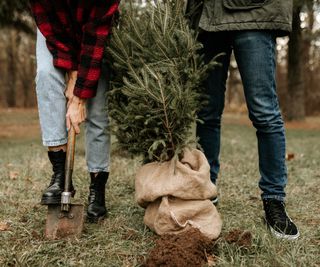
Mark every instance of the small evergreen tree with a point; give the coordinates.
(156, 85)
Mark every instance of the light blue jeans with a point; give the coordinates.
(255, 55)
(50, 87)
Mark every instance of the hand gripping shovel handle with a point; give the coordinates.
(66, 195)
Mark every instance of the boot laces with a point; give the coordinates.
(95, 196)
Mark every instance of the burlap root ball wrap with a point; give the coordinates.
(176, 195)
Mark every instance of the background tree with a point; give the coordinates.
(11, 52)
(17, 48)
(17, 64)
(300, 78)
(296, 83)
(15, 14)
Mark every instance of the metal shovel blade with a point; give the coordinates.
(66, 220)
(62, 224)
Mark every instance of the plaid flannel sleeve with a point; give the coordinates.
(95, 33)
(58, 41)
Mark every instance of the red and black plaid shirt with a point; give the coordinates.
(76, 33)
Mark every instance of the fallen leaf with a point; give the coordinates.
(239, 237)
(289, 156)
(211, 261)
(4, 226)
(29, 179)
(13, 175)
(36, 235)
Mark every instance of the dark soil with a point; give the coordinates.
(186, 249)
(240, 238)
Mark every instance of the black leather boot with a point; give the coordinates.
(52, 195)
(96, 200)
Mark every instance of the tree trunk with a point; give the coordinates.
(26, 76)
(296, 84)
(12, 70)
(307, 49)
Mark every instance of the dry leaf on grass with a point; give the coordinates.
(240, 238)
(4, 226)
(289, 156)
(211, 261)
(13, 175)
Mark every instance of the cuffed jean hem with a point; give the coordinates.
(95, 170)
(280, 198)
(60, 142)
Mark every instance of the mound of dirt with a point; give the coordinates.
(185, 249)
(240, 238)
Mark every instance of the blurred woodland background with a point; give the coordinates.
(298, 70)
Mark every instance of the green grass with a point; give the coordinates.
(122, 239)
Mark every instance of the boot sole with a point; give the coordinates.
(278, 234)
(54, 200)
(97, 219)
(50, 200)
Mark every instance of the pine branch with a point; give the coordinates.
(156, 86)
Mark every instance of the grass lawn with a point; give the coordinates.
(122, 239)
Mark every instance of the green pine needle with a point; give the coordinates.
(156, 85)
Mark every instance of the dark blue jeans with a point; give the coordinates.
(255, 55)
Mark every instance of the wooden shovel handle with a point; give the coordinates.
(70, 158)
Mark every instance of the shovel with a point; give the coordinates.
(66, 220)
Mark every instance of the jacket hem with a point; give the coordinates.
(282, 28)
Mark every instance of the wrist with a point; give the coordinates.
(78, 100)
(73, 74)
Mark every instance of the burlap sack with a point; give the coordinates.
(176, 195)
(173, 215)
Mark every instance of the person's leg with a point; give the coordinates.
(50, 86)
(215, 85)
(255, 52)
(97, 150)
(255, 55)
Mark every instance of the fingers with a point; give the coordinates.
(76, 114)
(74, 123)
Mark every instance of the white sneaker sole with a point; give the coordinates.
(283, 236)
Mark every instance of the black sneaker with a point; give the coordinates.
(278, 221)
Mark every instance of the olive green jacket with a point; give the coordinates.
(230, 15)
